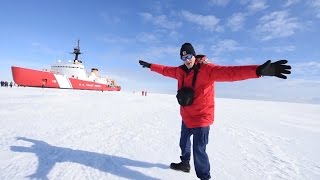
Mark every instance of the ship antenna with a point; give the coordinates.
(76, 51)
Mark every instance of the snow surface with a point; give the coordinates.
(70, 134)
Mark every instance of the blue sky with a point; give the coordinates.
(115, 35)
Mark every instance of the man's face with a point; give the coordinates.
(188, 60)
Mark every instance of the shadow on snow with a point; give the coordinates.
(49, 155)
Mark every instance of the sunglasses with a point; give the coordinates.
(186, 57)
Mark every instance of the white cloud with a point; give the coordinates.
(208, 22)
(281, 49)
(219, 2)
(225, 45)
(257, 5)
(316, 5)
(40, 47)
(161, 21)
(157, 7)
(115, 39)
(290, 2)
(277, 25)
(110, 18)
(160, 52)
(236, 21)
(147, 37)
(246, 61)
(309, 69)
(243, 2)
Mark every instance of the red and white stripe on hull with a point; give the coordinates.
(36, 78)
(63, 81)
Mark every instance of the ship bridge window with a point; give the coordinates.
(67, 67)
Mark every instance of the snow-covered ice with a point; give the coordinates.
(71, 134)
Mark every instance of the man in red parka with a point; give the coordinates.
(196, 99)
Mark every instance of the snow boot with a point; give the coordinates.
(182, 166)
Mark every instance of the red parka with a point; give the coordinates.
(201, 112)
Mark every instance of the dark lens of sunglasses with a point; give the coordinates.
(186, 57)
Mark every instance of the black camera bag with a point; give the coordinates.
(185, 95)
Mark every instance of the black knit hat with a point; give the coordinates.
(187, 48)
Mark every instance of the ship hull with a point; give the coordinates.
(47, 79)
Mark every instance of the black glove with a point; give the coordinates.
(277, 69)
(144, 64)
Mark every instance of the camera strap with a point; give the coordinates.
(196, 69)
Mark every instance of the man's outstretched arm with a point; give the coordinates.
(237, 73)
(164, 70)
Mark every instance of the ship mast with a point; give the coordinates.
(76, 52)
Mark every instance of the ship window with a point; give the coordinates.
(67, 67)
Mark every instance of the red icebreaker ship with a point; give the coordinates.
(71, 75)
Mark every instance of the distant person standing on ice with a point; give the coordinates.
(196, 98)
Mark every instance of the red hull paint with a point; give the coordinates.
(36, 78)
